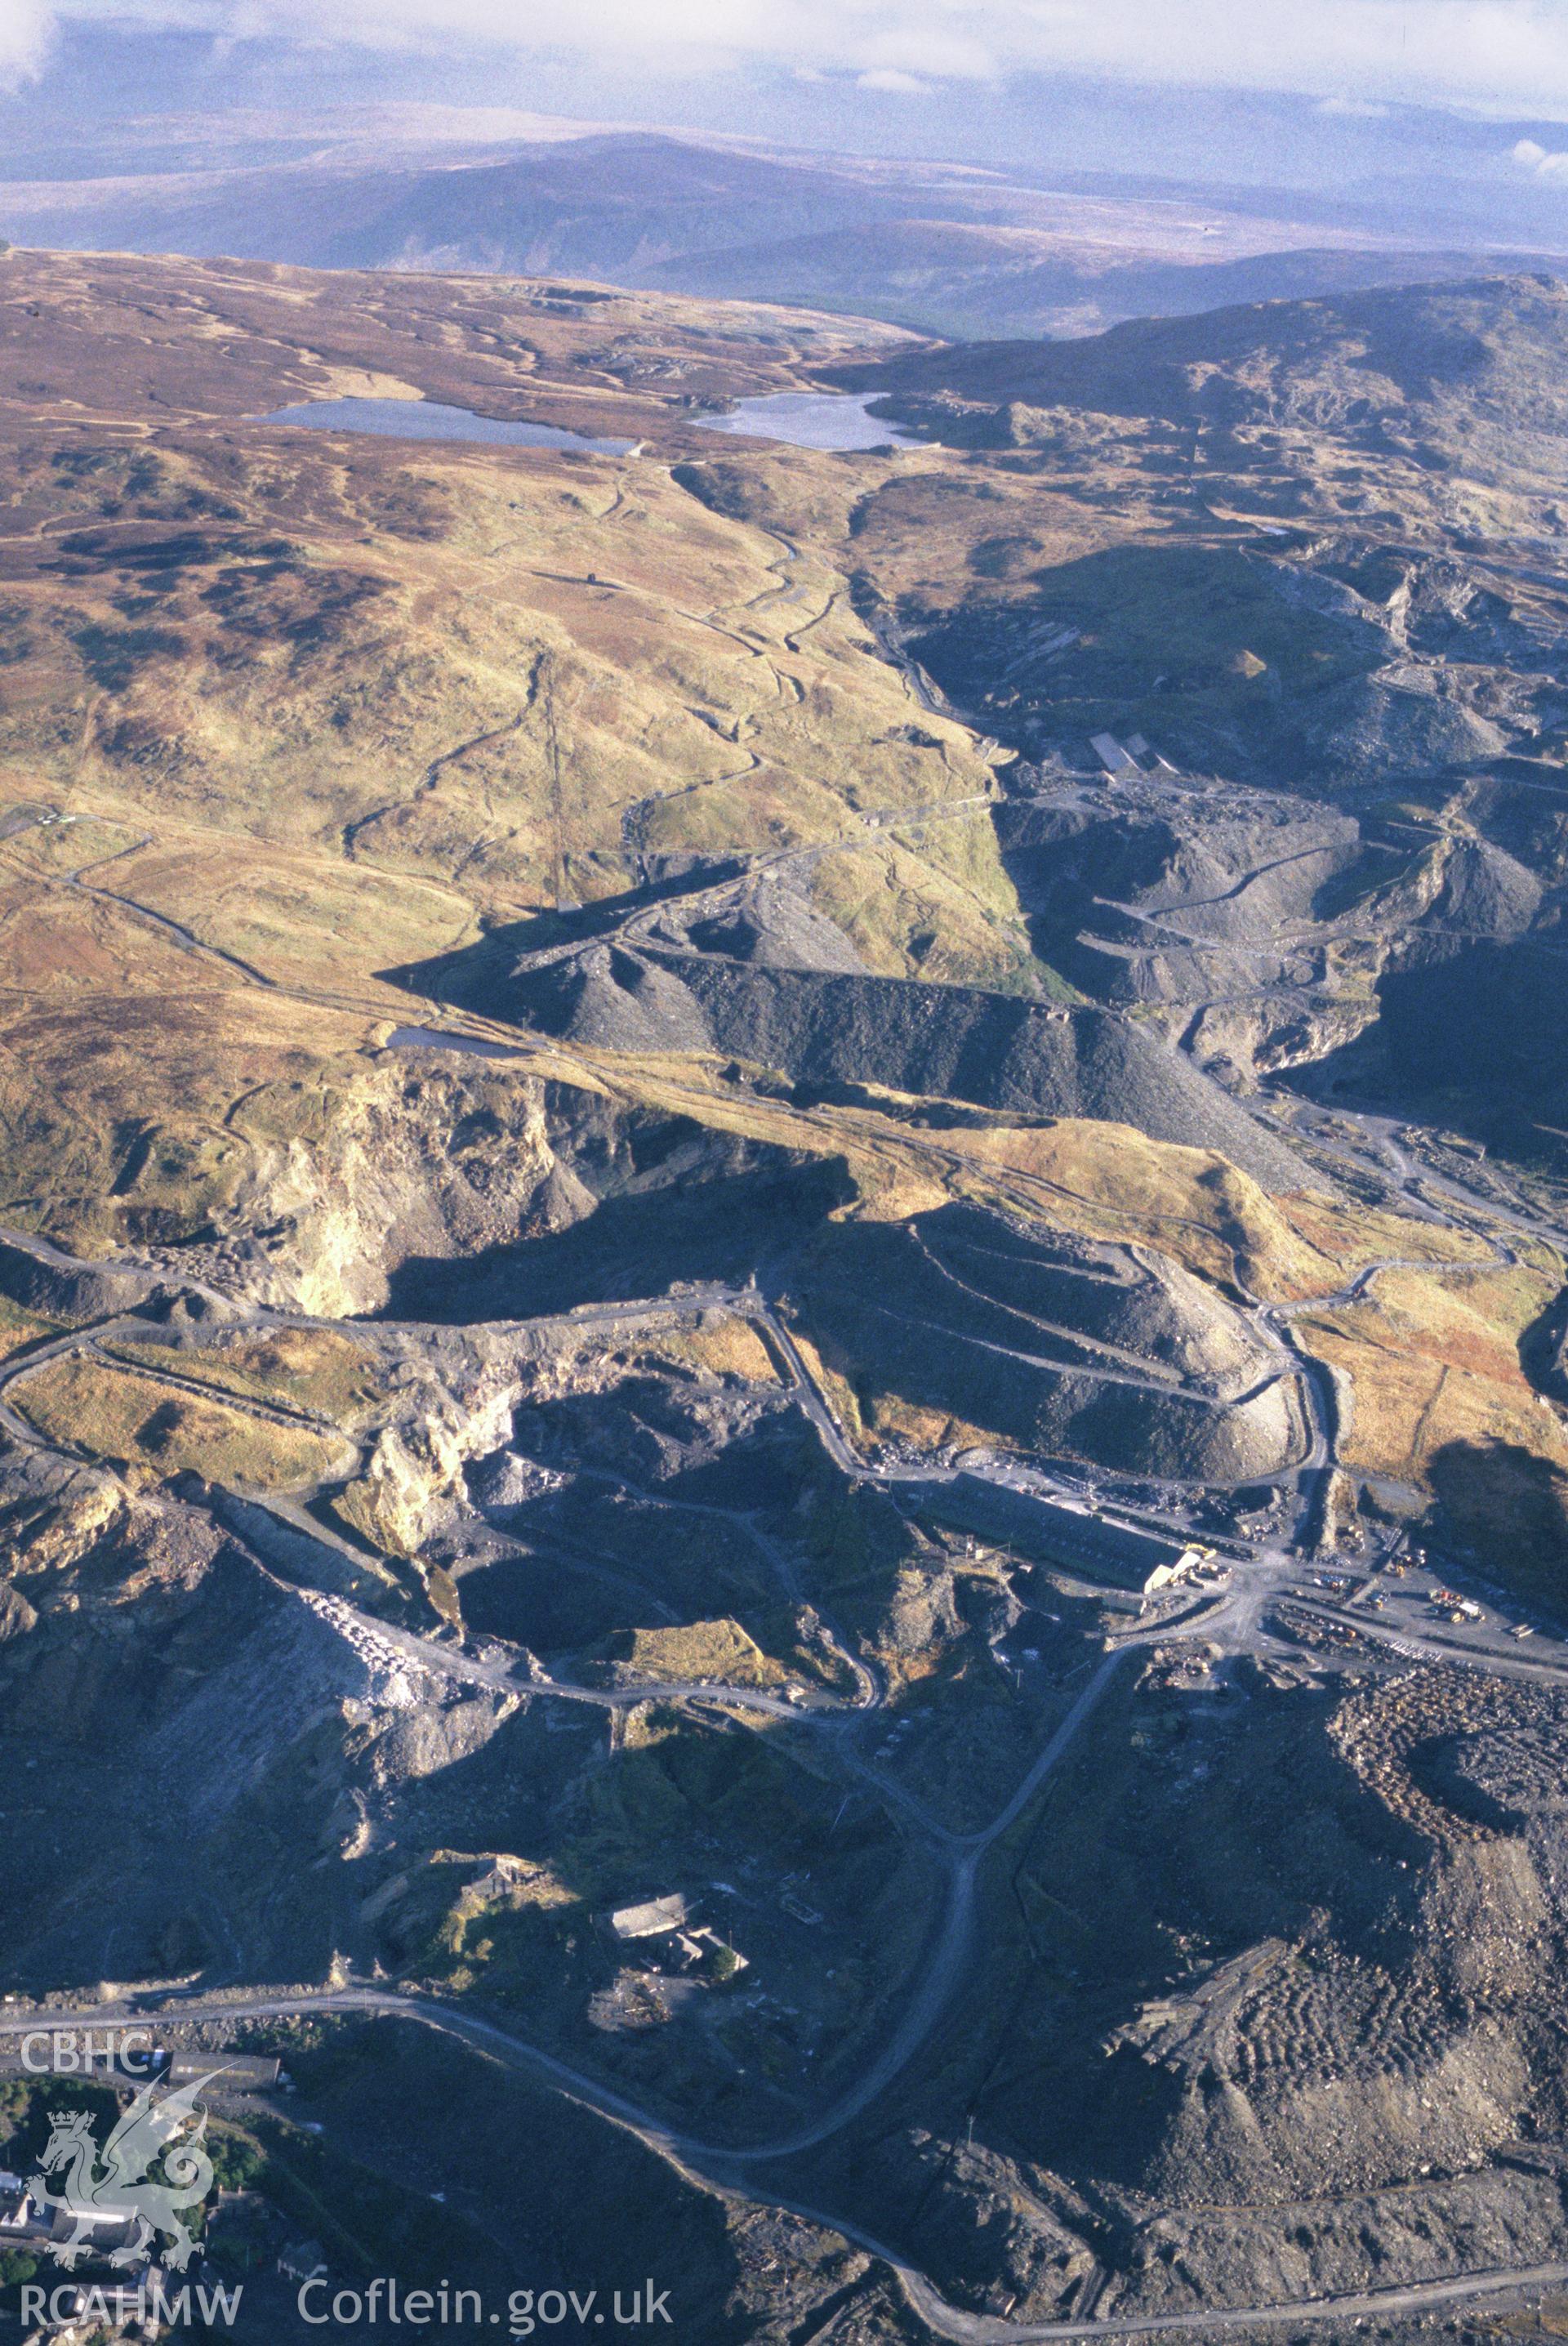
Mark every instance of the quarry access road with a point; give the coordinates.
(966, 2328)
(723, 2170)
(710, 2173)
(921, 2013)
(86, 1343)
(1235, 1617)
(1319, 1405)
(919, 683)
(27, 1362)
(1419, 1644)
(930, 1999)
(184, 939)
(448, 1663)
(869, 1684)
(1321, 1409)
(1384, 1132)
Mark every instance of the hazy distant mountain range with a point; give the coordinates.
(947, 247)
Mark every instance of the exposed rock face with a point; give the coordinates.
(505, 1480)
(414, 1160)
(54, 1513)
(416, 1471)
(423, 1169)
(1342, 635)
(226, 1697)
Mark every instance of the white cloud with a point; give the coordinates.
(889, 77)
(24, 39)
(1533, 157)
(1488, 55)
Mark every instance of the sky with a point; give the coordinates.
(1441, 120)
(1503, 56)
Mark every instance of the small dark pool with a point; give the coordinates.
(440, 1039)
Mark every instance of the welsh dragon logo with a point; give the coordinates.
(120, 2186)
